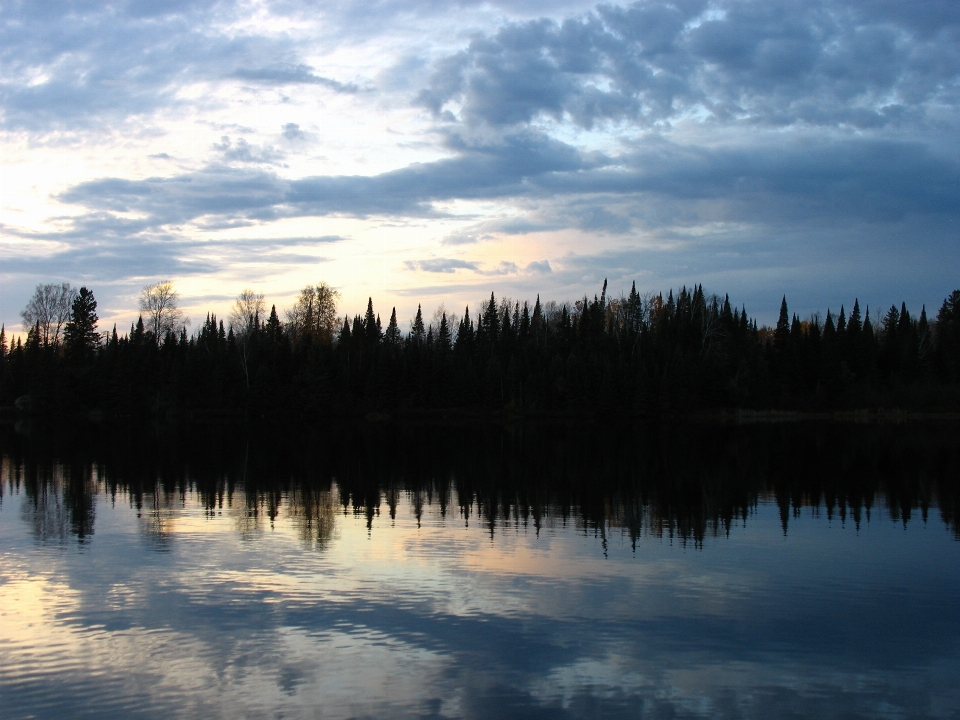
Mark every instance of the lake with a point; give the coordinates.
(588, 570)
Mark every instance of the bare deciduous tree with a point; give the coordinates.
(159, 304)
(315, 312)
(48, 309)
(245, 319)
(247, 312)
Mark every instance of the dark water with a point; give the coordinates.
(467, 571)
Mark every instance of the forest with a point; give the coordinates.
(635, 355)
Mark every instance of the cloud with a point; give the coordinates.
(478, 171)
(292, 132)
(538, 268)
(820, 64)
(243, 152)
(837, 181)
(293, 75)
(465, 238)
(440, 265)
(450, 265)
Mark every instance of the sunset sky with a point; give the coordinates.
(425, 151)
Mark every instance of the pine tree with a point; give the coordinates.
(465, 332)
(490, 322)
(371, 327)
(854, 325)
(443, 335)
(418, 333)
(634, 310)
(273, 326)
(3, 341)
(781, 335)
(80, 335)
(524, 330)
(392, 336)
(948, 337)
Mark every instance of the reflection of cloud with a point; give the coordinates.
(435, 615)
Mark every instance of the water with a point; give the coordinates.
(787, 571)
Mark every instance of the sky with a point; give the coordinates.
(434, 152)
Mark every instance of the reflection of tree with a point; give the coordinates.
(314, 515)
(684, 482)
(44, 509)
(157, 518)
(61, 500)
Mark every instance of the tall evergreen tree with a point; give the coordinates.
(80, 335)
(443, 335)
(781, 335)
(371, 326)
(418, 334)
(948, 337)
(391, 337)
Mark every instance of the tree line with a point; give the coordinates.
(631, 355)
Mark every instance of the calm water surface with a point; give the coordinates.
(741, 572)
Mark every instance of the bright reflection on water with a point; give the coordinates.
(201, 588)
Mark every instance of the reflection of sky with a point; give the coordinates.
(445, 620)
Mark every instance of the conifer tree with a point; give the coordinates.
(3, 340)
(392, 336)
(524, 329)
(490, 322)
(80, 334)
(418, 333)
(948, 337)
(854, 325)
(273, 326)
(443, 335)
(781, 335)
(465, 332)
(371, 326)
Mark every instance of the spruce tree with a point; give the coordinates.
(80, 334)
(443, 336)
(948, 337)
(465, 332)
(418, 333)
(274, 328)
(392, 336)
(371, 328)
(490, 322)
(781, 335)
(854, 325)
(523, 331)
